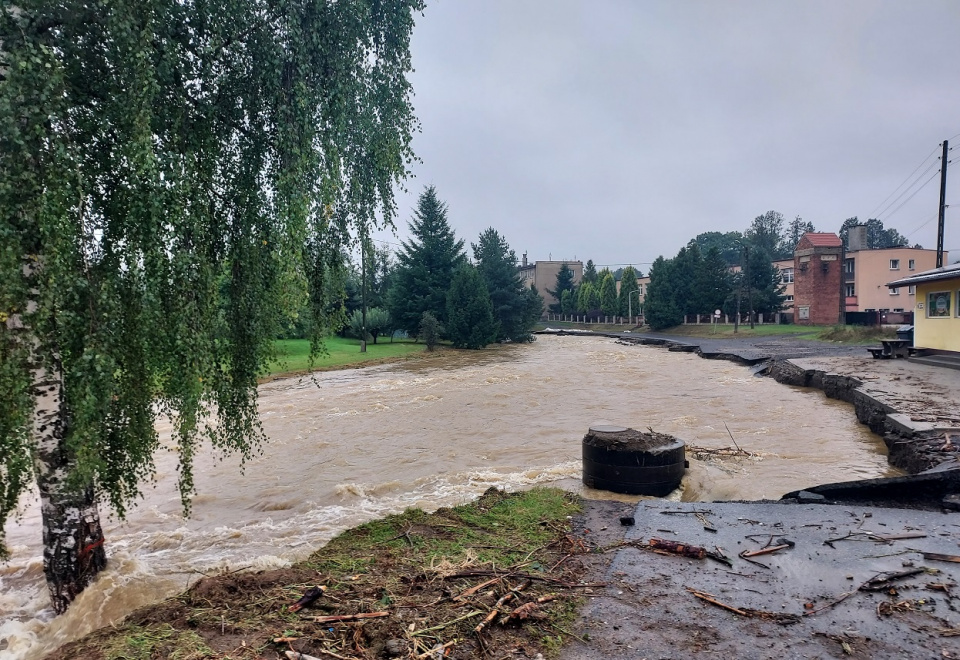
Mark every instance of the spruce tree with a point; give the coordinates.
(532, 310)
(470, 322)
(497, 265)
(763, 285)
(590, 272)
(425, 265)
(660, 309)
(564, 283)
(713, 282)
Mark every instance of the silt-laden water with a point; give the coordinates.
(357, 444)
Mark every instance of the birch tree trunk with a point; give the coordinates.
(73, 550)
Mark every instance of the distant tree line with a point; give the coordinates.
(779, 238)
(430, 290)
(596, 295)
(699, 279)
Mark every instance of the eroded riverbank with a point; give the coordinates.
(356, 445)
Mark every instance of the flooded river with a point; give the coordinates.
(358, 444)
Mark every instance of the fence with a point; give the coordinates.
(879, 318)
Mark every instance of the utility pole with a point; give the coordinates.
(943, 192)
(736, 318)
(363, 294)
(746, 271)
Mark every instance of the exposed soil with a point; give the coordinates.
(426, 581)
(807, 600)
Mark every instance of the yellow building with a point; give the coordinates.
(937, 311)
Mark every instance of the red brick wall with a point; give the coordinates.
(816, 283)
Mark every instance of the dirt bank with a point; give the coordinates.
(499, 577)
(914, 407)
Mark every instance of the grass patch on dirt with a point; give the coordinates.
(294, 354)
(726, 330)
(857, 334)
(507, 561)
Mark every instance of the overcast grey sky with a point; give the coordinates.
(618, 130)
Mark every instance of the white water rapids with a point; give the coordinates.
(359, 444)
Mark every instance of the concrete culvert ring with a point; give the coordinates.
(624, 460)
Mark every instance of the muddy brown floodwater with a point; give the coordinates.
(359, 444)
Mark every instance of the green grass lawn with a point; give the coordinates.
(703, 330)
(837, 334)
(840, 334)
(723, 330)
(295, 354)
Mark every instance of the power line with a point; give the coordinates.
(926, 183)
(906, 190)
(925, 223)
(635, 263)
(927, 157)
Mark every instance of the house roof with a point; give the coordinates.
(823, 239)
(950, 272)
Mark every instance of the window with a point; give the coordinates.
(938, 304)
(898, 309)
(786, 275)
(911, 264)
(911, 289)
(848, 266)
(850, 291)
(790, 299)
(894, 264)
(895, 291)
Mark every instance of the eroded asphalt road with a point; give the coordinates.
(760, 348)
(811, 600)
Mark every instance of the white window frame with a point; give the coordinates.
(894, 291)
(850, 290)
(894, 264)
(786, 275)
(912, 264)
(912, 290)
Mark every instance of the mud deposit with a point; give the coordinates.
(821, 597)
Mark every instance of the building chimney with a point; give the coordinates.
(857, 238)
(524, 263)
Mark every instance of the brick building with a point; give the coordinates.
(817, 277)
